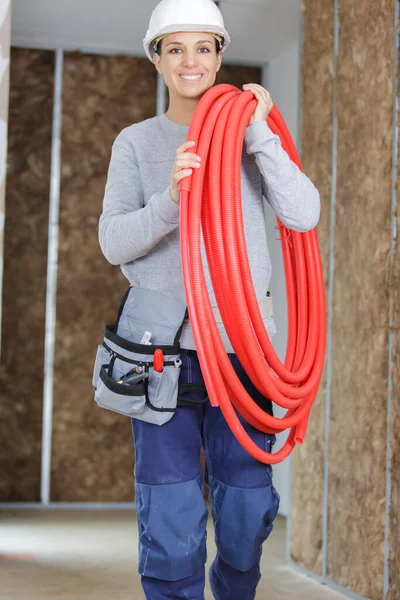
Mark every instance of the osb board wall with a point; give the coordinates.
(308, 460)
(357, 449)
(25, 266)
(92, 456)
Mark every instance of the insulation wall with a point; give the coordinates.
(238, 76)
(394, 383)
(357, 488)
(308, 460)
(352, 91)
(394, 514)
(24, 280)
(92, 449)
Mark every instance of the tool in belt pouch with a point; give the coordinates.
(124, 375)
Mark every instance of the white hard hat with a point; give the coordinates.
(170, 16)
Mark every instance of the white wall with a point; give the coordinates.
(282, 79)
(259, 29)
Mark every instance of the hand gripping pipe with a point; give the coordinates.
(211, 199)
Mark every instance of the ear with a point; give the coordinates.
(157, 63)
(219, 60)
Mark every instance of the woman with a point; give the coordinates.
(139, 231)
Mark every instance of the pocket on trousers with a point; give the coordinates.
(191, 386)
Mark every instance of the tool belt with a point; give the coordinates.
(125, 378)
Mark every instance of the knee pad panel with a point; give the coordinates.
(243, 520)
(172, 523)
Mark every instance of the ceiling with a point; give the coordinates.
(260, 29)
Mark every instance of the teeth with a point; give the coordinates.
(191, 77)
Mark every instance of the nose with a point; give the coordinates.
(190, 58)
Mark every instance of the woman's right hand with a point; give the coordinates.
(185, 162)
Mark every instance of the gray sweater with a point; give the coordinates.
(139, 225)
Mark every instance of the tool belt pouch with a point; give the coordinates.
(154, 398)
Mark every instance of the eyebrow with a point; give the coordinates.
(199, 42)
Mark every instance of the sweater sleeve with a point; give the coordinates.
(288, 190)
(128, 229)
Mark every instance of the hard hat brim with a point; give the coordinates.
(148, 40)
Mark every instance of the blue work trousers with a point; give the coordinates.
(171, 510)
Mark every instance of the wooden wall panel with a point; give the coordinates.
(25, 268)
(317, 89)
(357, 450)
(92, 448)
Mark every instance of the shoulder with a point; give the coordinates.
(137, 133)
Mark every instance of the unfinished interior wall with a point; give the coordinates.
(355, 502)
(92, 448)
(394, 383)
(25, 266)
(357, 488)
(308, 460)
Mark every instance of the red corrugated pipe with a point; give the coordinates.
(211, 198)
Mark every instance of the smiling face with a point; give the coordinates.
(189, 63)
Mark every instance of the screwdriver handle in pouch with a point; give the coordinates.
(158, 360)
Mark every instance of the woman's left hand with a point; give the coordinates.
(264, 105)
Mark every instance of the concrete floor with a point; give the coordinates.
(85, 555)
